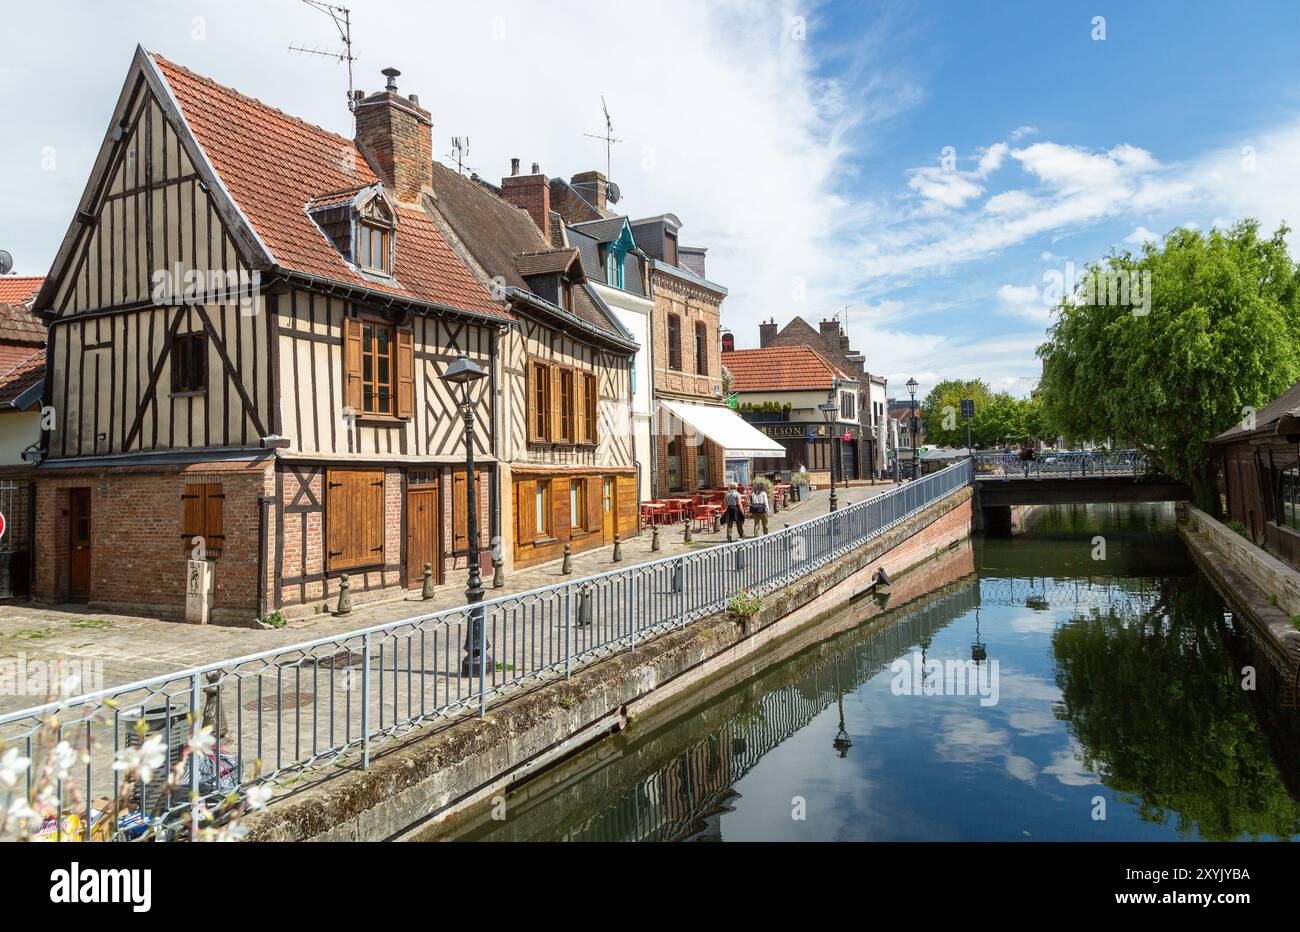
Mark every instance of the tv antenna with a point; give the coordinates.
(459, 149)
(608, 135)
(342, 18)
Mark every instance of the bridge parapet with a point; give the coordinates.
(1089, 464)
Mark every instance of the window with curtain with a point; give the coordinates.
(1289, 512)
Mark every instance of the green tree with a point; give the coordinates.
(999, 417)
(1222, 333)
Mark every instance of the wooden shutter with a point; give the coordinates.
(592, 414)
(560, 509)
(594, 506)
(352, 386)
(405, 372)
(579, 419)
(460, 513)
(626, 497)
(525, 510)
(554, 399)
(203, 517)
(354, 516)
(530, 383)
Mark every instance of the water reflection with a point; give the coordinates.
(1118, 679)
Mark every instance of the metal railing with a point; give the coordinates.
(329, 702)
(1088, 464)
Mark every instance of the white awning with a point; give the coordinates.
(726, 428)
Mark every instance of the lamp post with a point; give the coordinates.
(916, 461)
(464, 372)
(829, 409)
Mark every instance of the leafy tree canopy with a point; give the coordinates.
(1000, 418)
(1222, 332)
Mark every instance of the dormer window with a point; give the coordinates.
(614, 267)
(375, 248)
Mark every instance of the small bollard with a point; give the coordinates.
(427, 591)
(567, 566)
(740, 559)
(498, 572)
(654, 540)
(618, 549)
(584, 607)
(345, 596)
(717, 522)
(686, 533)
(677, 577)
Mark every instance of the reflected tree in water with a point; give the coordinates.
(1158, 710)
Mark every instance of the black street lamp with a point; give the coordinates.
(464, 372)
(829, 409)
(916, 453)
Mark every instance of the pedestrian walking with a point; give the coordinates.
(731, 511)
(758, 504)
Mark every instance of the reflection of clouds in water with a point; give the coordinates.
(1068, 768)
(1018, 684)
(1022, 768)
(1036, 722)
(1032, 622)
(966, 739)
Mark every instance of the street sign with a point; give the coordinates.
(968, 408)
(828, 406)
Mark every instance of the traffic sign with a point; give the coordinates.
(968, 408)
(4, 525)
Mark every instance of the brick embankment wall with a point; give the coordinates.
(444, 772)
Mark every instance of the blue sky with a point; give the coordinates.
(800, 142)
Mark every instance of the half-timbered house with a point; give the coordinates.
(569, 471)
(249, 321)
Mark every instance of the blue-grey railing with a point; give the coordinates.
(1087, 464)
(330, 701)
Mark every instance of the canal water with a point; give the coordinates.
(1106, 704)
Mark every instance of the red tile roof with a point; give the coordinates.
(19, 378)
(274, 164)
(780, 369)
(15, 289)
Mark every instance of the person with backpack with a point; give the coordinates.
(731, 511)
(758, 504)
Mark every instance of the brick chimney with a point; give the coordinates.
(830, 331)
(396, 135)
(766, 333)
(593, 187)
(531, 193)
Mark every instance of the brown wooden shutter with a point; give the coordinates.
(626, 495)
(214, 531)
(530, 388)
(554, 399)
(560, 508)
(459, 527)
(593, 408)
(192, 520)
(405, 372)
(354, 517)
(594, 505)
(352, 386)
(579, 420)
(525, 510)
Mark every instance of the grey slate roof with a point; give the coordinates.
(1286, 404)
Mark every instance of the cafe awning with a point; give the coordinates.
(726, 428)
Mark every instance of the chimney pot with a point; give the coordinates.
(414, 98)
(537, 169)
(391, 74)
(514, 167)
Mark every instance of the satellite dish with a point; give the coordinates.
(612, 193)
(6, 263)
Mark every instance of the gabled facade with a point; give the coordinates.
(780, 390)
(249, 319)
(568, 470)
(22, 368)
(687, 359)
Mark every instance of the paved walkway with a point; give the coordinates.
(117, 649)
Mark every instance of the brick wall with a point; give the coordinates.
(138, 555)
(530, 193)
(396, 134)
(691, 305)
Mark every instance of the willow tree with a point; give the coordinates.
(1179, 356)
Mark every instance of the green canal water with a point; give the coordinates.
(1107, 705)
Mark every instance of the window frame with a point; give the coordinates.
(543, 529)
(370, 388)
(578, 506)
(675, 342)
(189, 356)
(366, 233)
(539, 401)
(701, 348)
(1289, 478)
(568, 405)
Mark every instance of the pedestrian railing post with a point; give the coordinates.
(196, 721)
(482, 659)
(365, 701)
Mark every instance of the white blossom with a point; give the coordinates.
(142, 761)
(63, 757)
(202, 741)
(12, 766)
(259, 795)
(20, 810)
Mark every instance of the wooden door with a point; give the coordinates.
(79, 544)
(608, 509)
(422, 535)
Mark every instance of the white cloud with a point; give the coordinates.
(1141, 235)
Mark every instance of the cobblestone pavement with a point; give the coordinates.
(118, 649)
